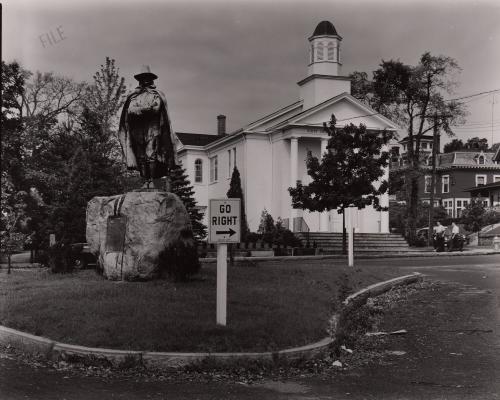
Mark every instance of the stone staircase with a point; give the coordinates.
(331, 243)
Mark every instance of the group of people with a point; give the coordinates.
(440, 241)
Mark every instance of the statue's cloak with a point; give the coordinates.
(165, 153)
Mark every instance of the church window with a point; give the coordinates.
(213, 169)
(330, 51)
(319, 55)
(198, 171)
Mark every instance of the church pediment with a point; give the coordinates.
(346, 109)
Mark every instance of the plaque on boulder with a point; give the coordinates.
(140, 242)
(115, 232)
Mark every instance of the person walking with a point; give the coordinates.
(439, 237)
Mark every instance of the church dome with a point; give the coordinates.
(325, 28)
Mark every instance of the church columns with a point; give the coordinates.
(384, 202)
(294, 156)
(324, 216)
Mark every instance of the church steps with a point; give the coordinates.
(331, 242)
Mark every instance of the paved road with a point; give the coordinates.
(453, 352)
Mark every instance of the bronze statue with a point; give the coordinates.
(145, 131)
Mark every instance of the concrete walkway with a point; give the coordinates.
(21, 260)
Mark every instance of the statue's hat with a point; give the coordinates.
(145, 73)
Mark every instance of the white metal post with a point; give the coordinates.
(350, 229)
(221, 283)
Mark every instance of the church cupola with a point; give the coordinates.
(324, 79)
(324, 50)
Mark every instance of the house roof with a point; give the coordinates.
(197, 139)
(465, 158)
(427, 137)
(496, 157)
(494, 185)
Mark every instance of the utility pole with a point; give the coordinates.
(435, 144)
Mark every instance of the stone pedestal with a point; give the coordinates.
(134, 234)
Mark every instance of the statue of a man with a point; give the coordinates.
(145, 132)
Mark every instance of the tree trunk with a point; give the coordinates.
(8, 261)
(344, 234)
(412, 210)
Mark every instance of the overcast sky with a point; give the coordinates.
(243, 58)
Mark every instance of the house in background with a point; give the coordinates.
(457, 173)
(271, 152)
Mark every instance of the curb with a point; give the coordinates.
(38, 345)
(361, 296)
(358, 257)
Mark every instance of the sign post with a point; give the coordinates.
(350, 227)
(224, 227)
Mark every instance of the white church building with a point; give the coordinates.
(271, 153)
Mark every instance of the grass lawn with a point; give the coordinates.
(271, 305)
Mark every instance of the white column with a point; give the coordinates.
(323, 217)
(384, 202)
(294, 155)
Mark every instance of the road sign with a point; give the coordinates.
(224, 221)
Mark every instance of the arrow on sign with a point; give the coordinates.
(230, 232)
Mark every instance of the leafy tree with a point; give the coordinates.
(266, 226)
(13, 211)
(477, 144)
(266, 222)
(475, 216)
(74, 167)
(236, 192)
(414, 96)
(347, 172)
(397, 216)
(182, 188)
(454, 145)
(106, 95)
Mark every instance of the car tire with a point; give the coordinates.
(80, 264)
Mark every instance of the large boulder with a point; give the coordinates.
(141, 235)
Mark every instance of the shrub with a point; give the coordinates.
(180, 261)
(61, 257)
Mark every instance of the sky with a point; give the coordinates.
(244, 58)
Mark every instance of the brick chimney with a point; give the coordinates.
(221, 125)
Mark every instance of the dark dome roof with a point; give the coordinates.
(325, 28)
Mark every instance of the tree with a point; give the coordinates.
(348, 171)
(475, 216)
(106, 95)
(13, 211)
(182, 188)
(236, 192)
(266, 226)
(414, 96)
(454, 145)
(74, 167)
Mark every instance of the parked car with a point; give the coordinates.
(83, 257)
